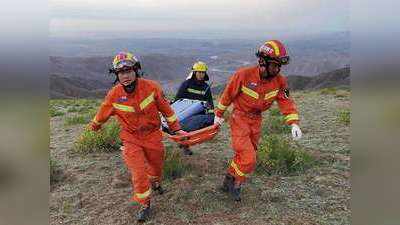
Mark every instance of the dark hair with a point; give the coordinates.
(206, 78)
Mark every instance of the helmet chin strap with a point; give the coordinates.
(130, 87)
(265, 64)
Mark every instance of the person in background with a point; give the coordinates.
(195, 87)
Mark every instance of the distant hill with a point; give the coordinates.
(336, 78)
(162, 68)
(75, 87)
(169, 59)
(78, 87)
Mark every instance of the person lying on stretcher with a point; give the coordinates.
(195, 87)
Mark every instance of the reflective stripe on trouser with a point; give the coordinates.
(145, 166)
(245, 134)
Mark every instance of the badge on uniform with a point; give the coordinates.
(122, 99)
(252, 85)
(286, 93)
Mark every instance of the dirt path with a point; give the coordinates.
(96, 188)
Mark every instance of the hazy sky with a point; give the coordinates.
(179, 18)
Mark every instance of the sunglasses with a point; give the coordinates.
(282, 60)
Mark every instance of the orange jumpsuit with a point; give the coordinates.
(250, 96)
(139, 118)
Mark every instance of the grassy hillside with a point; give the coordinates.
(94, 187)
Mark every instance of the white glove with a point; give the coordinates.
(218, 120)
(296, 132)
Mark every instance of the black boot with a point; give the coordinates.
(186, 150)
(143, 214)
(235, 192)
(157, 188)
(227, 184)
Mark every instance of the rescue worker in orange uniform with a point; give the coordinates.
(136, 103)
(252, 90)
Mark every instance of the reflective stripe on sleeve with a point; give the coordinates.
(271, 94)
(221, 106)
(291, 117)
(172, 118)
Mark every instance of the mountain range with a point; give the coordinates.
(79, 68)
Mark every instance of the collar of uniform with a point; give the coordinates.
(197, 83)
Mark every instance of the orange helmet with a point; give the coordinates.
(273, 50)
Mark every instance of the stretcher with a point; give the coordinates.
(197, 136)
(185, 108)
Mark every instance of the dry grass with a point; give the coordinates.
(97, 186)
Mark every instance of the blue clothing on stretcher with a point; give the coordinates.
(197, 122)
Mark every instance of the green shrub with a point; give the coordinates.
(328, 91)
(73, 109)
(344, 116)
(276, 156)
(54, 112)
(174, 166)
(105, 140)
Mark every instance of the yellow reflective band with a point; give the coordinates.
(271, 94)
(95, 121)
(196, 91)
(249, 92)
(147, 101)
(171, 118)
(292, 117)
(275, 46)
(124, 108)
(221, 106)
(236, 168)
(210, 110)
(143, 195)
